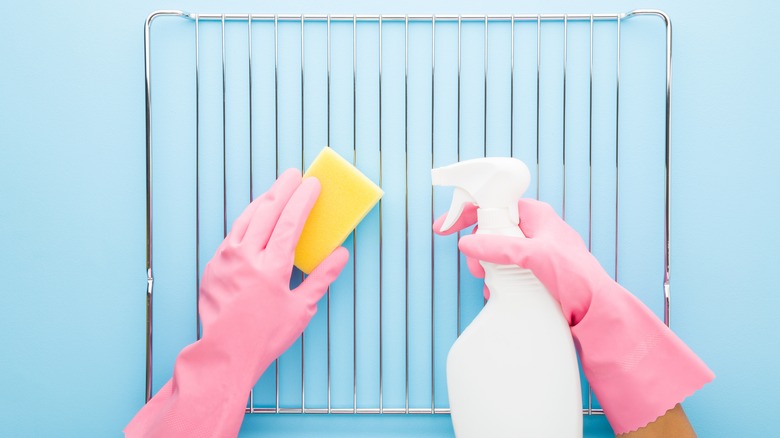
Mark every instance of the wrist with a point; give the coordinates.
(221, 365)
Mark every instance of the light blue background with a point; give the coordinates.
(72, 223)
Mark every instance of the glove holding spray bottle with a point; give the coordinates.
(513, 371)
(638, 368)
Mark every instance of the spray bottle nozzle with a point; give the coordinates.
(495, 183)
(459, 200)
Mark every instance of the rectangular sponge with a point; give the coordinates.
(346, 198)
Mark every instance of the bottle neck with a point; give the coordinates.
(496, 221)
(505, 280)
(510, 280)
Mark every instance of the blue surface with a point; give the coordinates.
(72, 222)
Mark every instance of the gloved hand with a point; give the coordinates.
(638, 368)
(250, 317)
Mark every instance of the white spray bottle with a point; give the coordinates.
(513, 371)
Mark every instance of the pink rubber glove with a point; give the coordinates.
(638, 368)
(250, 317)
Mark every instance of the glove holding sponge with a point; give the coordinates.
(250, 316)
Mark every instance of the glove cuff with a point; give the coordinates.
(206, 396)
(638, 368)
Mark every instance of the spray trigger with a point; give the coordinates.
(460, 198)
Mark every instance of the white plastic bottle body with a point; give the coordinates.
(513, 372)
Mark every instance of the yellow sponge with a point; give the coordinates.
(346, 198)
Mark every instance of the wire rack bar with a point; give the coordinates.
(410, 17)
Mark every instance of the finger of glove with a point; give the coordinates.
(502, 250)
(238, 229)
(256, 223)
(316, 284)
(466, 219)
(473, 264)
(486, 292)
(287, 230)
(475, 267)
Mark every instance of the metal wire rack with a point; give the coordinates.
(239, 97)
